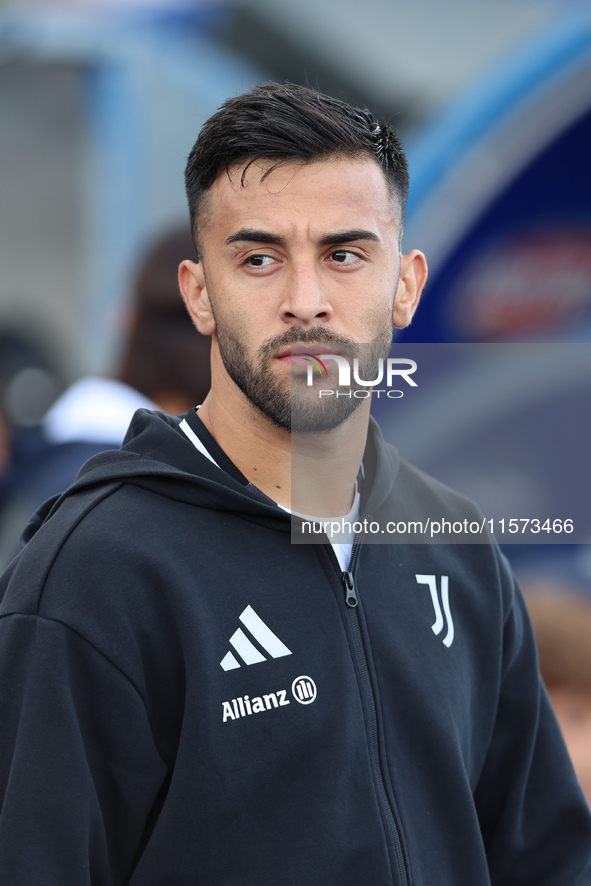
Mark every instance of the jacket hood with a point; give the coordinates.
(156, 455)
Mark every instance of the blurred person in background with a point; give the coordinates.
(164, 367)
(562, 625)
(29, 383)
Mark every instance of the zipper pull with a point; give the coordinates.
(351, 599)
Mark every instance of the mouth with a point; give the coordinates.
(301, 355)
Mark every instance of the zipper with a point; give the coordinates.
(351, 596)
(351, 599)
(347, 577)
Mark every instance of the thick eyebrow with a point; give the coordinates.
(249, 235)
(348, 237)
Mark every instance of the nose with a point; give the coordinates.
(305, 300)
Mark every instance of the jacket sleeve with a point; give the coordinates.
(79, 769)
(534, 817)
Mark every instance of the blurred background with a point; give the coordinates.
(101, 101)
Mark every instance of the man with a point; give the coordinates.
(189, 698)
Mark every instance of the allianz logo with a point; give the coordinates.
(303, 690)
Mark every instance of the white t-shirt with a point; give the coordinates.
(95, 410)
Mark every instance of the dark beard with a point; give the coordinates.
(295, 409)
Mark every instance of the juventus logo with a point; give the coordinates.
(438, 624)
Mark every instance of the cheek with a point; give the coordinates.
(227, 309)
(376, 315)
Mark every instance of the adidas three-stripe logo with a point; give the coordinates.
(246, 649)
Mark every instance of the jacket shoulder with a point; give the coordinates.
(22, 584)
(430, 491)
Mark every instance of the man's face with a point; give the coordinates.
(306, 260)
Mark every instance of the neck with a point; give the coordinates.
(311, 474)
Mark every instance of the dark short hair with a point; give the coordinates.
(289, 122)
(164, 354)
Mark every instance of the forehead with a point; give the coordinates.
(337, 193)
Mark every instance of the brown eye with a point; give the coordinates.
(260, 261)
(344, 257)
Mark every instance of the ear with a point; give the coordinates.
(413, 276)
(194, 291)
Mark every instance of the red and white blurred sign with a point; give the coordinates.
(530, 284)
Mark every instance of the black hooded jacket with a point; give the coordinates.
(187, 698)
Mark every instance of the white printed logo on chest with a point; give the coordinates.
(439, 623)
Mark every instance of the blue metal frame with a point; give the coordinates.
(554, 52)
(117, 54)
